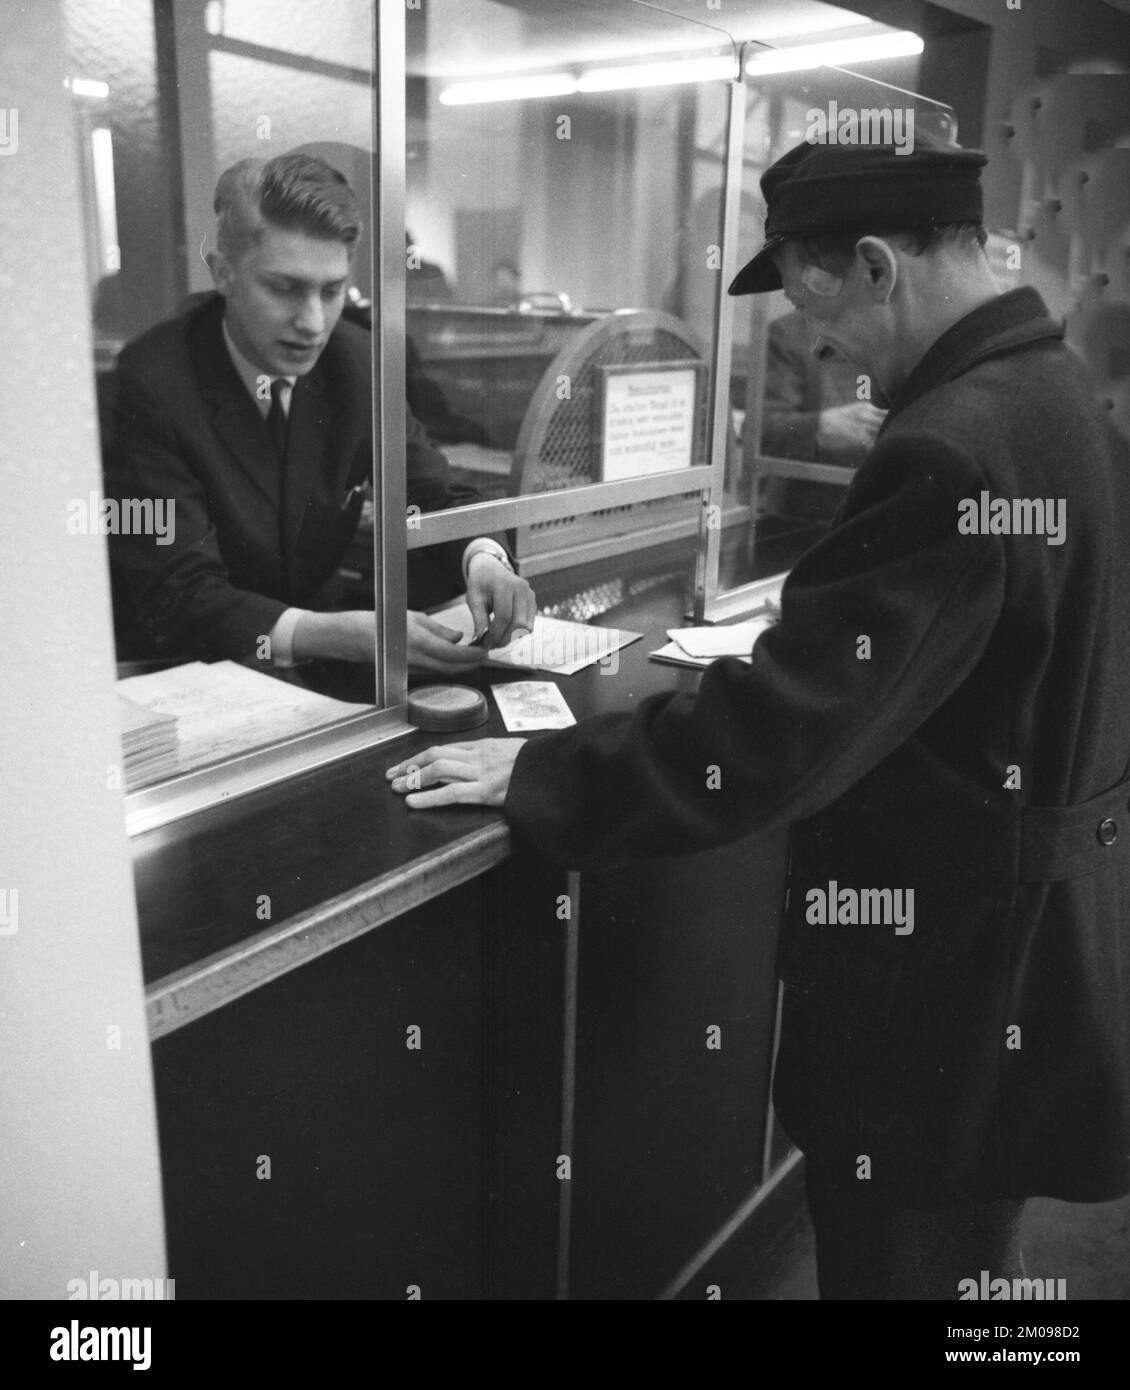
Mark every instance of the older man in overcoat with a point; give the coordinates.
(943, 715)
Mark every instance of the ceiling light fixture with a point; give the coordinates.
(901, 44)
(656, 74)
(546, 84)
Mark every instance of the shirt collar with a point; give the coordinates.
(250, 374)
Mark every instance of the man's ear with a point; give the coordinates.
(880, 266)
(221, 270)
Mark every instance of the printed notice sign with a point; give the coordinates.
(649, 419)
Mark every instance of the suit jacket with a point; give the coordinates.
(251, 538)
(939, 712)
(797, 388)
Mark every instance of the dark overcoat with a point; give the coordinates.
(941, 709)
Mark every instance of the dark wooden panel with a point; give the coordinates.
(376, 1150)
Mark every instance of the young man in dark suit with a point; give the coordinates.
(941, 714)
(251, 413)
(811, 411)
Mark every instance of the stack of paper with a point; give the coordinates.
(149, 744)
(699, 646)
(222, 710)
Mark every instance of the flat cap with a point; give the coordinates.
(821, 188)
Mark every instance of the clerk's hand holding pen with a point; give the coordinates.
(439, 650)
(502, 606)
(457, 774)
(501, 602)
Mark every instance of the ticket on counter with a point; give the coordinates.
(528, 705)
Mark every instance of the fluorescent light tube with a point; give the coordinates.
(546, 84)
(655, 74)
(838, 53)
(86, 87)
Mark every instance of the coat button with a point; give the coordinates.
(1108, 832)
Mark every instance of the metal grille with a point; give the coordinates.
(563, 451)
(589, 603)
(594, 602)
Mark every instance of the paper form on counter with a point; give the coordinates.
(555, 644)
(699, 646)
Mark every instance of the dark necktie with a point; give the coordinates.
(276, 417)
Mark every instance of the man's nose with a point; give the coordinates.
(311, 318)
(816, 344)
(811, 330)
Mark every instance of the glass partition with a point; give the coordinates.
(235, 394)
(564, 257)
(806, 423)
(575, 207)
(548, 203)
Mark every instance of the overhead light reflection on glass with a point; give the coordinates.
(901, 44)
(655, 74)
(549, 84)
(87, 87)
(867, 49)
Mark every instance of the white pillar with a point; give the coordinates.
(80, 1182)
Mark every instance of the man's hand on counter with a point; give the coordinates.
(460, 774)
(501, 602)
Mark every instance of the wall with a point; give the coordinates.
(79, 1179)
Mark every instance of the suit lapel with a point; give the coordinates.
(236, 420)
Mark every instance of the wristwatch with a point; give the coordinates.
(484, 545)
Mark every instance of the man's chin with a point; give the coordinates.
(296, 363)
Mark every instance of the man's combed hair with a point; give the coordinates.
(835, 251)
(297, 192)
